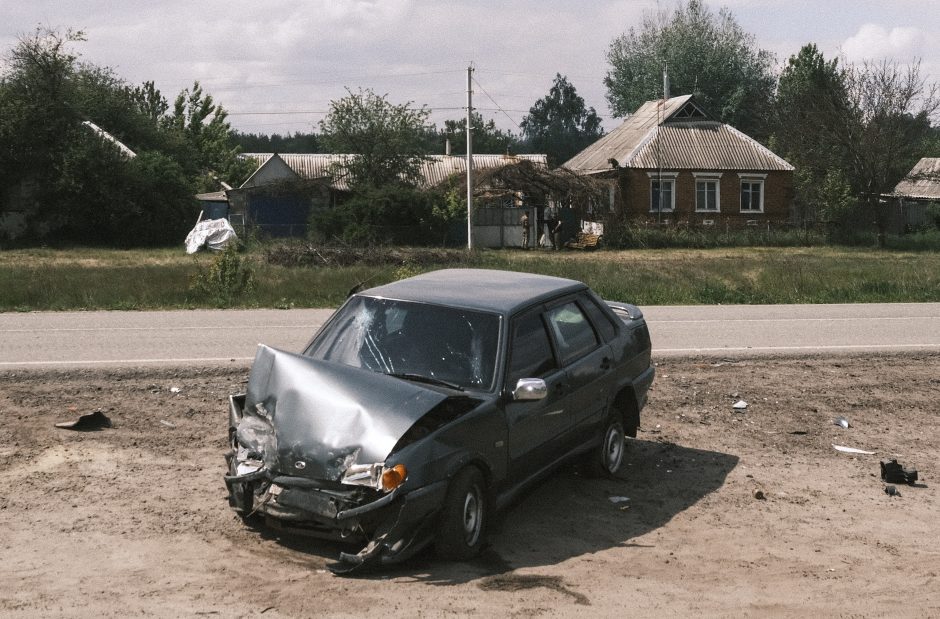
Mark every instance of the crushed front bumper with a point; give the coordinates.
(393, 526)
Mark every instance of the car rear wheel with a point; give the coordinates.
(463, 521)
(609, 456)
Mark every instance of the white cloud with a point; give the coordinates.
(874, 42)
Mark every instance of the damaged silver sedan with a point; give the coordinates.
(424, 405)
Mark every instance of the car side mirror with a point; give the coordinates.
(529, 389)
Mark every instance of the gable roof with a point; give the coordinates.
(434, 170)
(677, 134)
(922, 182)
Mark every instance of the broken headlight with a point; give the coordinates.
(254, 442)
(375, 476)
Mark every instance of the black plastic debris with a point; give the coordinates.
(894, 473)
(87, 423)
(892, 491)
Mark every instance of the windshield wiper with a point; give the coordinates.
(421, 378)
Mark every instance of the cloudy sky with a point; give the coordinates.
(275, 65)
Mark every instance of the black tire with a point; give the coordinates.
(608, 458)
(464, 517)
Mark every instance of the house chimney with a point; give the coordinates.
(447, 147)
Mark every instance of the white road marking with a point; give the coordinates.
(712, 320)
(102, 361)
(765, 348)
(91, 329)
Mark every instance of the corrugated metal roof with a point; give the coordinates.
(922, 182)
(704, 146)
(656, 136)
(435, 170)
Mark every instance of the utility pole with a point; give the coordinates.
(469, 157)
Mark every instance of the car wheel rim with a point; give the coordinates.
(472, 516)
(613, 448)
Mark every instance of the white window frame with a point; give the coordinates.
(754, 179)
(708, 177)
(663, 177)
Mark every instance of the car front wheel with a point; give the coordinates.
(463, 521)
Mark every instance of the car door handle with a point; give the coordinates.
(605, 363)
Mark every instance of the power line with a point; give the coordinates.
(498, 108)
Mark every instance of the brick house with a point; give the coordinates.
(675, 164)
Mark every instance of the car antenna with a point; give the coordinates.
(362, 283)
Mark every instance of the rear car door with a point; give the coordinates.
(586, 359)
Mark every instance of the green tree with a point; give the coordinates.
(378, 215)
(387, 141)
(559, 124)
(277, 143)
(205, 145)
(810, 87)
(707, 55)
(37, 117)
(885, 130)
(487, 138)
(75, 186)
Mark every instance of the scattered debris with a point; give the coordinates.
(87, 423)
(759, 495)
(799, 432)
(740, 405)
(894, 473)
(892, 491)
(851, 450)
(167, 423)
(175, 389)
(841, 421)
(618, 499)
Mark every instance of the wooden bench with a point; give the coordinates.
(584, 241)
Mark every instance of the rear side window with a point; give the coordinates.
(599, 317)
(573, 333)
(530, 353)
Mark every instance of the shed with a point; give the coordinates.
(914, 195)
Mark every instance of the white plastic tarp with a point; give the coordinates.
(215, 234)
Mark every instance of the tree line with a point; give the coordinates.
(851, 131)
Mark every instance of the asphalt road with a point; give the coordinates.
(62, 339)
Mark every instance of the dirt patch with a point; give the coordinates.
(133, 520)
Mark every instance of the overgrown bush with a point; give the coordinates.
(639, 235)
(225, 281)
(294, 254)
(389, 215)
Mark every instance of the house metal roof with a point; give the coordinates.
(435, 170)
(922, 182)
(675, 134)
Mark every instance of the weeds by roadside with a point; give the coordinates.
(229, 280)
(84, 279)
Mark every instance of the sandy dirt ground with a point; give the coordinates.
(133, 520)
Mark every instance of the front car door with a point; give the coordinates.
(534, 427)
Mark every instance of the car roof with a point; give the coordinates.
(480, 289)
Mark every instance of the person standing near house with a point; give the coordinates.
(524, 220)
(550, 220)
(556, 230)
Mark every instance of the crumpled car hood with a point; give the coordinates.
(328, 416)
